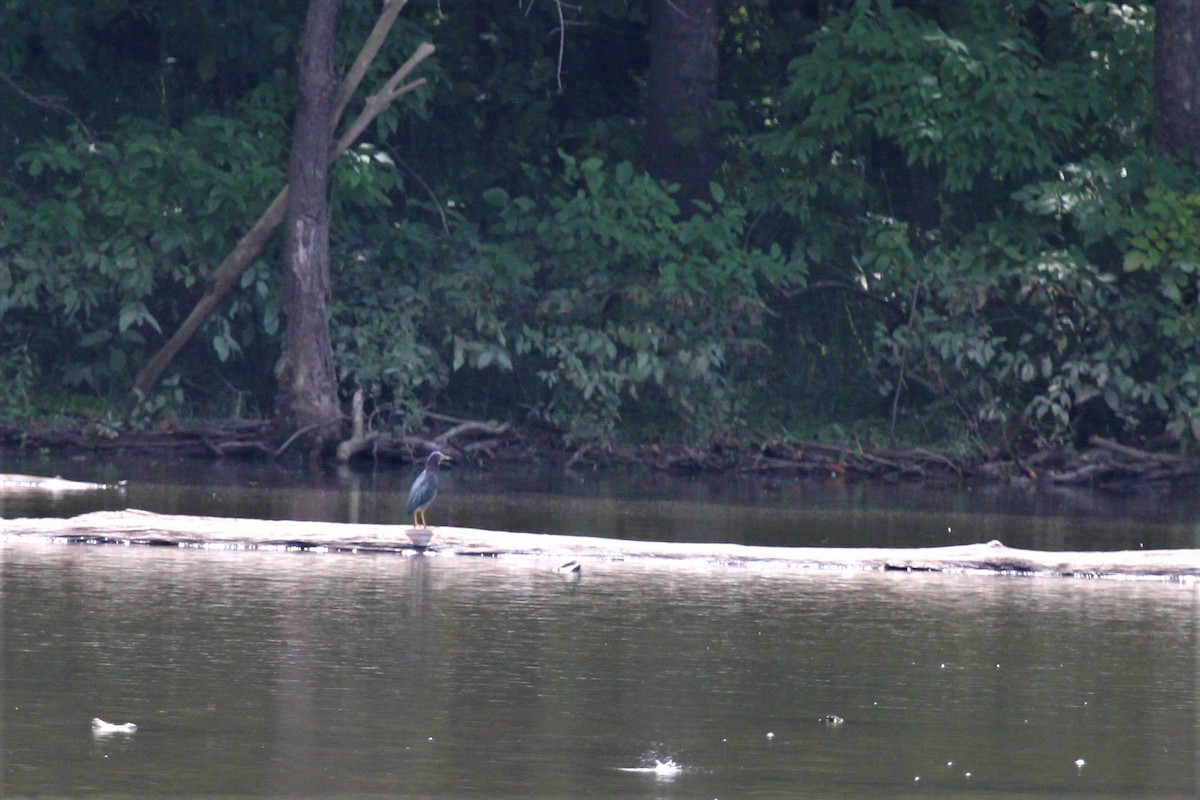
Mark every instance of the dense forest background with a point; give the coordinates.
(974, 225)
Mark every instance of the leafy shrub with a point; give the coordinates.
(1092, 297)
(105, 242)
(946, 152)
(600, 301)
(623, 304)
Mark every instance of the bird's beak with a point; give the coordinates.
(445, 458)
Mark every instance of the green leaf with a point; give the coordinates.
(495, 196)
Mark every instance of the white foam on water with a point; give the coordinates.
(661, 768)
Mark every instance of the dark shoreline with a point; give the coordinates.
(1106, 465)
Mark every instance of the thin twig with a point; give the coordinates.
(912, 315)
(562, 44)
(48, 102)
(307, 429)
(428, 190)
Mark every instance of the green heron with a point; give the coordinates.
(425, 487)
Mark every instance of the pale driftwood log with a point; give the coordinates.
(358, 439)
(142, 527)
(356, 444)
(35, 483)
(472, 427)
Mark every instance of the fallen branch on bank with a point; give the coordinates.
(1134, 453)
(1106, 465)
(1116, 466)
(838, 462)
(459, 441)
(141, 527)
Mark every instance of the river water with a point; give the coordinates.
(282, 674)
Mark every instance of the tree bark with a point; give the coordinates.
(308, 382)
(681, 89)
(1177, 77)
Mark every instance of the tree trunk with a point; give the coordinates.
(308, 383)
(249, 246)
(1177, 77)
(681, 88)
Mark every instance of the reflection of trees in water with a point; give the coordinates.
(358, 650)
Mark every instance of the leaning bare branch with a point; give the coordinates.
(376, 103)
(358, 70)
(249, 246)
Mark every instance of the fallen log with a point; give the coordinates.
(35, 483)
(1134, 453)
(146, 528)
(1085, 473)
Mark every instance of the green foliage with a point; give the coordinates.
(1164, 237)
(1091, 298)
(941, 211)
(977, 102)
(622, 302)
(105, 242)
(943, 151)
(597, 301)
(963, 103)
(18, 382)
(385, 323)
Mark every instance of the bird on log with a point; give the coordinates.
(424, 488)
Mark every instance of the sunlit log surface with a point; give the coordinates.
(35, 483)
(145, 528)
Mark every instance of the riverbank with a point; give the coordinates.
(1104, 464)
(134, 527)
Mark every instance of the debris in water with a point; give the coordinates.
(100, 727)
